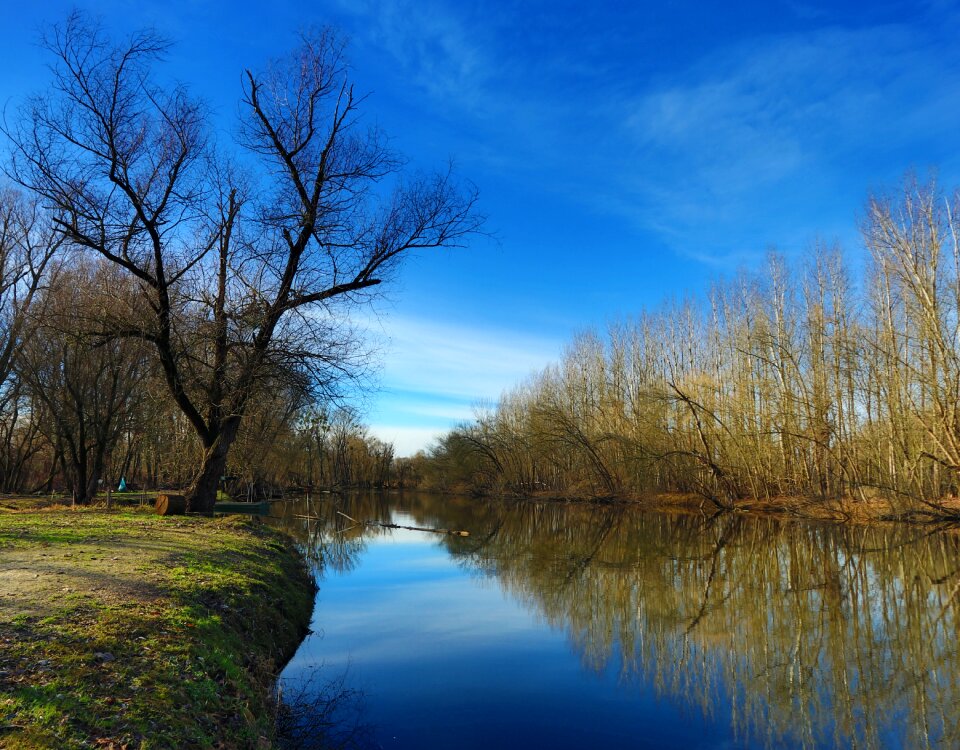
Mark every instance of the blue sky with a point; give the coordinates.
(626, 153)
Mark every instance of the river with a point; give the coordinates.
(581, 626)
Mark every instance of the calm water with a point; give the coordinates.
(576, 627)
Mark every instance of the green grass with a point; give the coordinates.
(125, 629)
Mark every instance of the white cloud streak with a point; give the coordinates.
(435, 374)
(408, 440)
(457, 361)
(432, 45)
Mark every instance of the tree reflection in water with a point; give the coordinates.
(819, 635)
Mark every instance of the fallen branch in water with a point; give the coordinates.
(417, 528)
(408, 528)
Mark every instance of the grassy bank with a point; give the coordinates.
(127, 630)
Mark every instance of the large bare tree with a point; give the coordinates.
(246, 259)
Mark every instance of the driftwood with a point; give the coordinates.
(383, 525)
(171, 505)
(452, 532)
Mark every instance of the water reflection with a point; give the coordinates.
(319, 712)
(806, 635)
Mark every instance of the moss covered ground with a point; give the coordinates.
(122, 629)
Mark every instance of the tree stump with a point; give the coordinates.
(171, 505)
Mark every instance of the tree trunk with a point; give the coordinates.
(79, 478)
(203, 492)
(170, 505)
(93, 484)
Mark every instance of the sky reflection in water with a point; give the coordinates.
(567, 628)
(445, 659)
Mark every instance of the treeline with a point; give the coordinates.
(794, 381)
(82, 405)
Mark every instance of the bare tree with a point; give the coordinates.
(27, 246)
(241, 273)
(90, 389)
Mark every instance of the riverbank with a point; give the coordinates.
(868, 509)
(122, 629)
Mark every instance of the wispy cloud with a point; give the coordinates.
(435, 374)
(769, 138)
(476, 75)
(457, 361)
(444, 411)
(433, 46)
(750, 143)
(407, 441)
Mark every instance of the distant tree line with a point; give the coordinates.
(794, 381)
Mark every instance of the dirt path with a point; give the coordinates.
(35, 578)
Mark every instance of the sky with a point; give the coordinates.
(626, 153)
